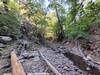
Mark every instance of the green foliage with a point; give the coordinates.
(9, 25)
(76, 31)
(37, 16)
(76, 22)
(90, 18)
(58, 7)
(13, 6)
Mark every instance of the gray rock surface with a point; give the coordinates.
(5, 39)
(61, 63)
(2, 45)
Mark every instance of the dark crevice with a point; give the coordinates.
(81, 64)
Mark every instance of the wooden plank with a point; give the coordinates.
(17, 68)
(52, 68)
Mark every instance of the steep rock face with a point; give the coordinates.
(96, 36)
(93, 47)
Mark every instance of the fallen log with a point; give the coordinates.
(51, 67)
(17, 68)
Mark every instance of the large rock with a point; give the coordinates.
(5, 39)
(2, 45)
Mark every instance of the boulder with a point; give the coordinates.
(5, 39)
(2, 45)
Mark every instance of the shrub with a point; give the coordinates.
(9, 24)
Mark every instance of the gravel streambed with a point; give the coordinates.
(61, 63)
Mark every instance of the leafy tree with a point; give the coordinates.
(37, 15)
(9, 25)
(88, 18)
(72, 19)
(51, 28)
(57, 5)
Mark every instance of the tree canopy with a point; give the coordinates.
(56, 19)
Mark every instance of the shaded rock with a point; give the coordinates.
(27, 56)
(36, 58)
(2, 45)
(5, 39)
(33, 54)
(5, 65)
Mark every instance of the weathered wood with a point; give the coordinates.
(17, 68)
(51, 67)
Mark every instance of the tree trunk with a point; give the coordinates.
(60, 31)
